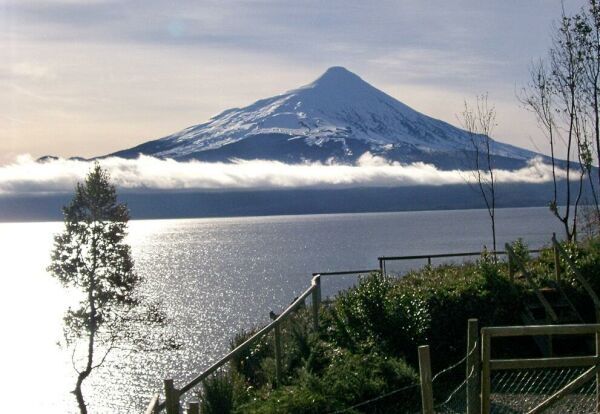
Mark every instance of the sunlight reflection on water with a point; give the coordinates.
(216, 276)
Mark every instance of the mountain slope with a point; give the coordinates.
(337, 117)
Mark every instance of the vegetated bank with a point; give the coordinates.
(366, 346)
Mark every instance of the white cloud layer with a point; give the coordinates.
(25, 175)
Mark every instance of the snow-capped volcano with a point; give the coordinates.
(337, 117)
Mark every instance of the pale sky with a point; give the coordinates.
(89, 77)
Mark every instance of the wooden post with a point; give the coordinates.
(473, 367)
(381, 265)
(171, 397)
(278, 354)
(316, 301)
(597, 337)
(429, 261)
(426, 385)
(556, 258)
(486, 385)
(156, 409)
(193, 408)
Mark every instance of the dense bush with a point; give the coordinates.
(348, 379)
(217, 394)
(430, 306)
(367, 344)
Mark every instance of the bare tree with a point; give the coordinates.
(479, 121)
(556, 95)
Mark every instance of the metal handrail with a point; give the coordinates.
(383, 259)
(434, 256)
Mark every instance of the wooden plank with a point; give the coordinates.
(193, 408)
(153, 405)
(597, 340)
(572, 329)
(567, 389)
(473, 367)
(486, 385)
(171, 397)
(530, 363)
(426, 385)
(316, 301)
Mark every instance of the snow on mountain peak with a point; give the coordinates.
(338, 109)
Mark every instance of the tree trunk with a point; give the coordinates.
(79, 394)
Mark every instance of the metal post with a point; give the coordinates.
(171, 397)
(193, 408)
(473, 367)
(426, 385)
(485, 372)
(278, 354)
(316, 301)
(556, 258)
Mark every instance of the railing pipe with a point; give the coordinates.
(442, 255)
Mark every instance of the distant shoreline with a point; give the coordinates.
(205, 204)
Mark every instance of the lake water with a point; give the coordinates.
(216, 277)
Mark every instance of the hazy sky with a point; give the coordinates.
(85, 77)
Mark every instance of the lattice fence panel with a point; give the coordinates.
(518, 391)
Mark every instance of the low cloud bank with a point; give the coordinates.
(25, 175)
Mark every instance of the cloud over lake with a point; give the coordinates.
(25, 175)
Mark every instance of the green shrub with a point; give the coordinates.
(217, 395)
(249, 362)
(349, 379)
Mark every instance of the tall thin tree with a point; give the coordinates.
(91, 256)
(479, 121)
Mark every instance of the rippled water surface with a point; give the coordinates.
(216, 276)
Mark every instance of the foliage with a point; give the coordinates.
(217, 395)
(367, 344)
(348, 379)
(91, 256)
(248, 363)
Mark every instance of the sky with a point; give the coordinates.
(90, 77)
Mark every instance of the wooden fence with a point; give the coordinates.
(488, 364)
(173, 394)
